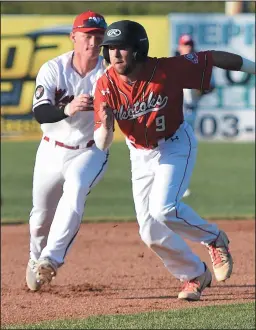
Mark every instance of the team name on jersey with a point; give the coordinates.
(152, 104)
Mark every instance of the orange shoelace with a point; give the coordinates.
(190, 285)
(216, 254)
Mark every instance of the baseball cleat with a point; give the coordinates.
(222, 261)
(32, 283)
(46, 270)
(192, 290)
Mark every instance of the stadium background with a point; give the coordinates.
(223, 182)
(30, 40)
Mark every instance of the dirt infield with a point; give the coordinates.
(109, 271)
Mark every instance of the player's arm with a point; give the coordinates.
(103, 136)
(49, 113)
(233, 62)
(103, 120)
(229, 61)
(44, 107)
(194, 71)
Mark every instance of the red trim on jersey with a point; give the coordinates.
(45, 101)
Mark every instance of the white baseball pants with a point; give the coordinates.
(159, 179)
(62, 180)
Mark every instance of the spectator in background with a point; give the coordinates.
(191, 96)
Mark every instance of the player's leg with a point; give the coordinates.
(84, 170)
(169, 246)
(47, 190)
(172, 177)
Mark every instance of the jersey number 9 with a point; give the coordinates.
(160, 123)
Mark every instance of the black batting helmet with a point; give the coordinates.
(127, 33)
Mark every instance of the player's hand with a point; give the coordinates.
(106, 116)
(83, 102)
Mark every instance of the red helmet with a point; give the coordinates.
(89, 21)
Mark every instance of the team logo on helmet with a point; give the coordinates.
(113, 33)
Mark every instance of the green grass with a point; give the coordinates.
(222, 184)
(239, 316)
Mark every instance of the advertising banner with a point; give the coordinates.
(235, 91)
(223, 125)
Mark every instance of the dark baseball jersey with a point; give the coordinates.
(152, 108)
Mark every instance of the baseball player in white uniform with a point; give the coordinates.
(68, 163)
(191, 97)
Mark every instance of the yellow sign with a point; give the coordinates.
(27, 42)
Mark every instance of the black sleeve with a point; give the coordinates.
(48, 113)
(227, 61)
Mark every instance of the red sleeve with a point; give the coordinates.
(99, 97)
(193, 71)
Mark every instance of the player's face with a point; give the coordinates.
(121, 59)
(185, 49)
(87, 43)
